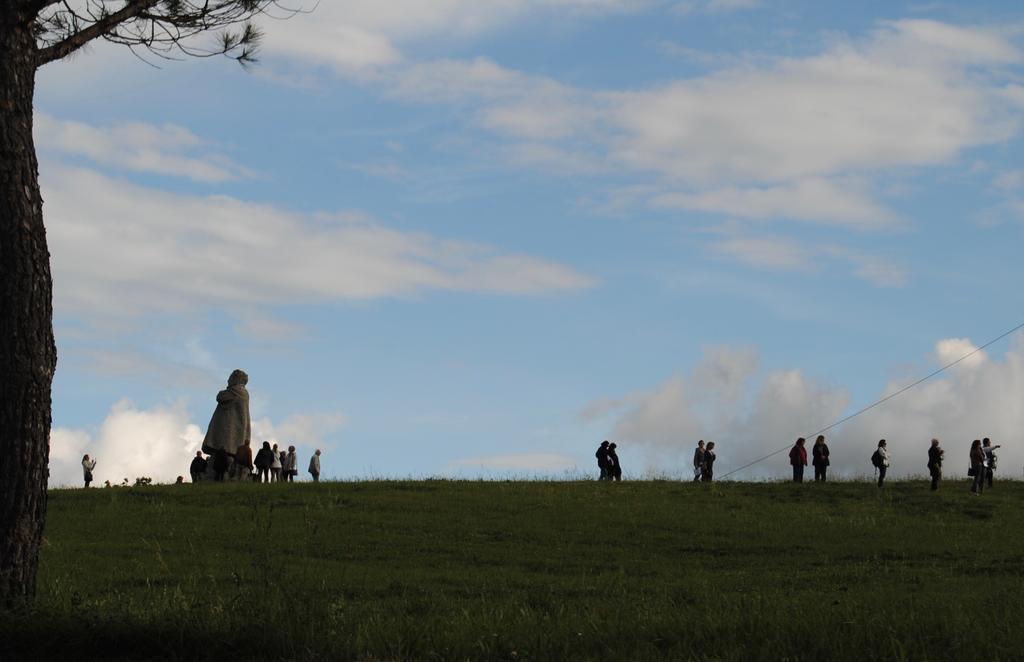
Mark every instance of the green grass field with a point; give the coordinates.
(528, 570)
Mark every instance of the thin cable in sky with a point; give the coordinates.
(885, 399)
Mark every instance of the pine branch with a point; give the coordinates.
(104, 25)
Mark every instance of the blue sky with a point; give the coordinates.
(474, 239)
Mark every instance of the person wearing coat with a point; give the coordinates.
(242, 468)
(264, 458)
(883, 461)
(198, 467)
(708, 473)
(698, 461)
(977, 457)
(87, 466)
(275, 466)
(798, 458)
(290, 465)
(614, 470)
(820, 458)
(935, 463)
(314, 466)
(602, 460)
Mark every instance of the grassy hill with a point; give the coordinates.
(528, 570)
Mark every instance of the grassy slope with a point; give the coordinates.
(529, 570)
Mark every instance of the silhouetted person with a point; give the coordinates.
(87, 467)
(243, 461)
(698, 461)
(977, 457)
(798, 458)
(314, 466)
(291, 464)
(708, 473)
(180, 480)
(220, 464)
(880, 458)
(819, 453)
(264, 459)
(990, 458)
(614, 470)
(602, 460)
(935, 463)
(198, 467)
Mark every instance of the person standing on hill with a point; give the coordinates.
(242, 467)
(264, 458)
(87, 466)
(291, 461)
(220, 465)
(198, 467)
(614, 469)
(990, 459)
(708, 473)
(698, 461)
(977, 457)
(820, 458)
(880, 458)
(602, 460)
(275, 465)
(314, 466)
(798, 458)
(935, 463)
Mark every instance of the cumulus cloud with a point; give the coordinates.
(749, 414)
(794, 138)
(123, 248)
(160, 442)
(137, 146)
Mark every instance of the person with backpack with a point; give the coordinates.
(880, 458)
(602, 460)
(798, 458)
(708, 473)
(977, 470)
(935, 463)
(264, 458)
(698, 461)
(990, 459)
(820, 462)
(614, 470)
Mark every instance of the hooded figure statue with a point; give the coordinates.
(229, 427)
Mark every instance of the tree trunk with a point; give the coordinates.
(28, 355)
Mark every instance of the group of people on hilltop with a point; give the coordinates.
(608, 461)
(982, 461)
(704, 462)
(270, 465)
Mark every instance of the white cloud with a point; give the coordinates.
(131, 443)
(359, 35)
(791, 138)
(308, 430)
(783, 253)
(757, 415)
(139, 147)
(815, 200)
(119, 247)
(904, 96)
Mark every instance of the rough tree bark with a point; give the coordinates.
(28, 355)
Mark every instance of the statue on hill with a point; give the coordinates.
(229, 427)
